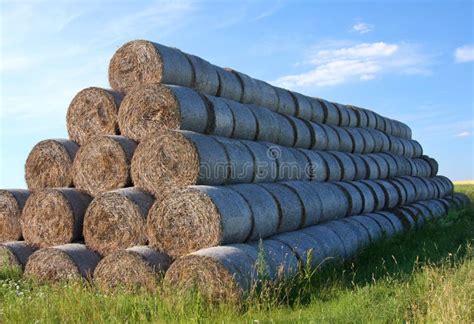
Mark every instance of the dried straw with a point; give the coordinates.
(103, 164)
(54, 216)
(49, 164)
(136, 268)
(12, 202)
(116, 220)
(69, 262)
(15, 254)
(92, 112)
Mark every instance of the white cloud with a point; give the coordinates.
(362, 27)
(463, 134)
(464, 54)
(337, 62)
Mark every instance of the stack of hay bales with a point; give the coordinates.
(204, 169)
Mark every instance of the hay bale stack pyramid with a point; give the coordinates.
(193, 174)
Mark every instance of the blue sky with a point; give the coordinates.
(412, 61)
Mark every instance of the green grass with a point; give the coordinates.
(423, 276)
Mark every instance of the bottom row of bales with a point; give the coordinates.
(225, 271)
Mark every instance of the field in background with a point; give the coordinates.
(426, 275)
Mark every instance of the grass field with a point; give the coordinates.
(424, 276)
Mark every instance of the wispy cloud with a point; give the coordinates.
(463, 134)
(362, 27)
(464, 54)
(334, 64)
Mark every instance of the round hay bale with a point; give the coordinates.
(433, 165)
(396, 128)
(402, 193)
(405, 218)
(15, 254)
(353, 196)
(222, 273)
(311, 203)
(423, 211)
(287, 135)
(116, 220)
(408, 148)
(334, 201)
(69, 262)
(205, 77)
(304, 109)
(382, 165)
(360, 166)
(251, 89)
(420, 188)
(448, 184)
(439, 187)
(266, 124)
(385, 141)
(393, 219)
(288, 167)
(241, 165)
(464, 198)
(302, 171)
(265, 161)
(49, 164)
(157, 164)
(302, 132)
(93, 111)
(347, 234)
(404, 165)
(136, 268)
(379, 122)
(229, 85)
(245, 122)
(155, 106)
(357, 140)
(371, 166)
(290, 206)
(54, 216)
(386, 226)
(415, 214)
(333, 139)
(396, 146)
(199, 217)
(103, 164)
(371, 119)
(333, 166)
(316, 168)
(282, 261)
(388, 126)
(12, 202)
(344, 118)
(363, 234)
(345, 141)
(432, 189)
(392, 197)
(369, 141)
(377, 192)
(319, 137)
(418, 151)
(376, 137)
(221, 119)
(308, 250)
(329, 240)
(264, 207)
(348, 168)
(141, 62)
(286, 102)
(368, 198)
(392, 166)
(331, 113)
(318, 111)
(352, 116)
(361, 116)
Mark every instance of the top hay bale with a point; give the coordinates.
(142, 62)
